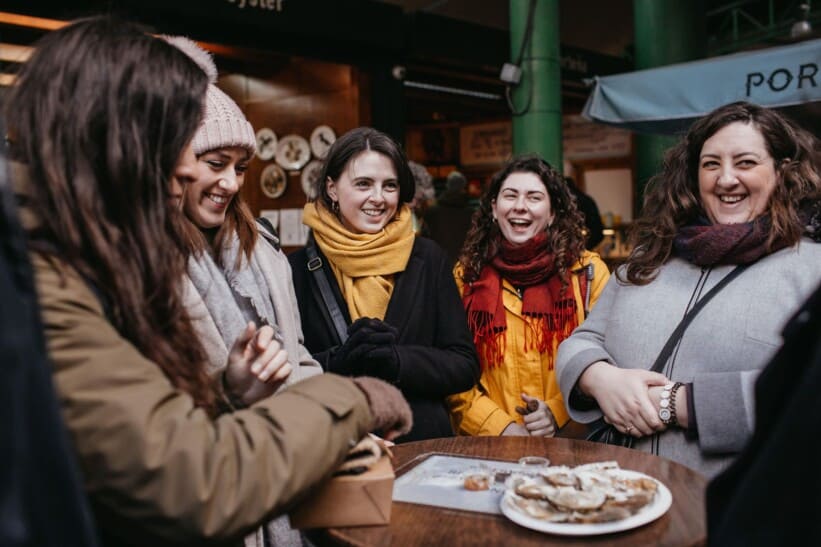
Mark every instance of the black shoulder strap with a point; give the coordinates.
(589, 274)
(315, 266)
(688, 318)
(265, 223)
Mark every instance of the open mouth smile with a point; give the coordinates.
(218, 199)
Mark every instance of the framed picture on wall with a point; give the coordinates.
(273, 181)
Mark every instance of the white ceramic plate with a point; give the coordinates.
(309, 178)
(293, 152)
(648, 513)
(321, 140)
(273, 181)
(266, 143)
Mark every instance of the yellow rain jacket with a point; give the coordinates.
(489, 407)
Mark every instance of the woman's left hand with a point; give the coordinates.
(540, 422)
(257, 365)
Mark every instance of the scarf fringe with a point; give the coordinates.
(543, 335)
(489, 340)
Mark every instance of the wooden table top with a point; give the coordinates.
(411, 524)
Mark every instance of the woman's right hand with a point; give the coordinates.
(257, 365)
(515, 430)
(623, 396)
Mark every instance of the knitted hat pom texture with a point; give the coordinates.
(223, 125)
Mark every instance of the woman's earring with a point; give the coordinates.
(335, 207)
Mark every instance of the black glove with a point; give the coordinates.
(364, 335)
(380, 362)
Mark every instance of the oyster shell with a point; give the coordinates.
(539, 509)
(590, 493)
(569, 498)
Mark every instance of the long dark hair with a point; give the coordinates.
(100, 114)
(565, 235)
(672, 197)
(351, 144)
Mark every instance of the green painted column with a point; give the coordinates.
(666, 32)
(538, 129)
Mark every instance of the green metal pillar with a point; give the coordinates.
(666, 32)
(537, 100)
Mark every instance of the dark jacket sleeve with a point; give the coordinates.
(320, 338)
(435, 348)
(447, 364)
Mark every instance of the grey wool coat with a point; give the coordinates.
(721, 353)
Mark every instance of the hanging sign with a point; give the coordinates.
(485, 144)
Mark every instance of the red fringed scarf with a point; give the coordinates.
(550, 310)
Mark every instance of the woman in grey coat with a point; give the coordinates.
(741, 188)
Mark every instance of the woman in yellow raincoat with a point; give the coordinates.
(526, 282)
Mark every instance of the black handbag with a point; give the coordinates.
(602, 432)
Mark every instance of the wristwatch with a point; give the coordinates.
(667, 404)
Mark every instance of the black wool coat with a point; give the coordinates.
(435, 347)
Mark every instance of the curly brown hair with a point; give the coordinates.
(565, 235)
(672, 196)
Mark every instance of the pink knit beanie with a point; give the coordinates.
(223, 125)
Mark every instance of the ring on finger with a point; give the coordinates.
(629, 428)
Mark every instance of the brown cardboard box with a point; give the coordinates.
(349, 500)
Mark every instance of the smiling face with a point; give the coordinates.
(522, 208)
(219, 176)
(736, 174)
(367, 192)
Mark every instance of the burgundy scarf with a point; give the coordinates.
(706, 244)
(550, 308)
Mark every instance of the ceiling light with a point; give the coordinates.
(802, 28)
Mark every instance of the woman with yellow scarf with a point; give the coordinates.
(389, 306)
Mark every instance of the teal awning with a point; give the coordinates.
(667, 99)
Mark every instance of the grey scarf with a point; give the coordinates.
(218, 288)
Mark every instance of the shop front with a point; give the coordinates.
(305, 72)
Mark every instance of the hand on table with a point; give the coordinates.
(624, 398)
(257, 365)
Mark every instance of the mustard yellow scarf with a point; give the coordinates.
(363, 264)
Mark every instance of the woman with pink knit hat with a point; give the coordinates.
(237, 273)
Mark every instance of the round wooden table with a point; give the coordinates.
(411, 524)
